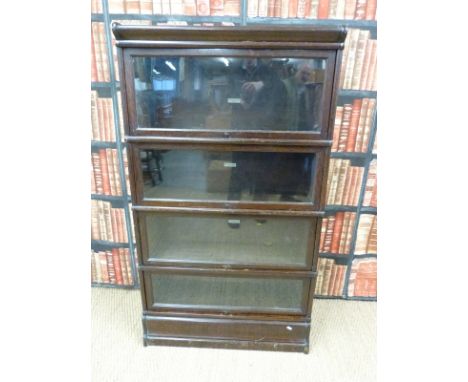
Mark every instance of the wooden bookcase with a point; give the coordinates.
(110, 89)
(228, 133)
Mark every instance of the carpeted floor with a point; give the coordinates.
(343, 348)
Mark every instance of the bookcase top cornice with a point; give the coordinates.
(257, 33)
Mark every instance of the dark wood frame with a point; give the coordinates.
(185, 326)
(141, 224)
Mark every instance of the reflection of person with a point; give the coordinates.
(303, 97)
(262, 97)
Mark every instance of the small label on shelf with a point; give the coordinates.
(229, 164)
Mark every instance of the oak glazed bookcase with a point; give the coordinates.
(228, 133)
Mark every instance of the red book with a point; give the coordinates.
(110, 267)
(323, 231)
(271, 8)
(373, 201)
(349, 234)
(331, 283)
(344, 232)
(117, 266)
(293, 4)
(100, 114)
(217, 7)
(128, 263)
(114, 224)
(123, 265)
(371, 9)
(277, 8)
(335, 244)
(323, 9)
(103, 266)
(104, 174)
(350, 9)
(357, 189)
(338, 280)
(203, 7)
(372, 66)
(97, 173)
(353, 125)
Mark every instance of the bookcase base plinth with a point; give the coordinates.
(227, 333)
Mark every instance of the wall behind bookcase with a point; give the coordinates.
(350, 225)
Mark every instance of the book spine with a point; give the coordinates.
(157, 7)
(371, 9)
(326, 277)
(132, 6)
(357, 189)
(146, 7)
(94, 221)
(344, 60)
(340, 9)
(349, 234)
(103, 50)
(117, 266)
(373, 201)
(353, 42)
(252, 8)
(101, 221)
(114, 224)
(337, 127)
(361, 125)
(124, 232)
(190, 7)
(353, 125)
(314, 6)
(94, 71)
(332, 9)
(360, 12)
(93, 179)
(94, 117)
(177, 7)
(105, 175)
(334, 180)
(231, 7)
(321, 270)
(118, 183)
(263, 8)
(97, 173)
(323, 231)
(301, 8)
(110, 116)
(110, 171)
(110, 267)
(344, 170)
(350, 9)
(368, 125)
(292, 9)
(97, 266)
(277, 8)
(108, 220)
(271, 8)
(369, 85)
(103, 267)
(331, 283)
(345, 123)
(347, 186)
(365, 222)
(360, 53)
(329, 234)
(203, 7)
(339, 219)
(344, 232)
(123, 265)
(323, 9)
(116, 6)
(97, 51)
(129, 267)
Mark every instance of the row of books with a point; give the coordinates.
(358, 69)
(314, 9)
(366, 241)
(107, 223)
(363, 278)
(102, 119)
(370, 195)
(171, 7)
(111, 267)
(344, 183)
(105, 177)
(353, 123)
(99, 57)
(336, 233)
(330, 278)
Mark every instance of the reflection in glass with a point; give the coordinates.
(229, 93)
(236, 176)
(280, 241)
(228, 293)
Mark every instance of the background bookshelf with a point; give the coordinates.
(348, 254)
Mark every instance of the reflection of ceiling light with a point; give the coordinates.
(168, 63)
(225, 61)
(156, 72)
